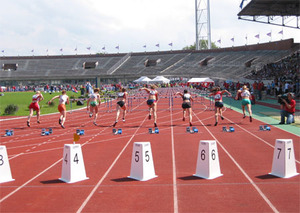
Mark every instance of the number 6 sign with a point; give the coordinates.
(208, 165)
(142, 167)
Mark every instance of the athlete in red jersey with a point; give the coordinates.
(34, 106)
(218, 94)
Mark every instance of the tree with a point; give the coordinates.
(202, 45)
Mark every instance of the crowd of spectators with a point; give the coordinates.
(284, 75)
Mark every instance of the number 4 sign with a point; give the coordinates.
(142, 167)
(73, 169)
(284, 164)
(5, 173)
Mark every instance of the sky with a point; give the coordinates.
(68, 27)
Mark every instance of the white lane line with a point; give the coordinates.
(175, 197)
(107, 172)
(243, 171)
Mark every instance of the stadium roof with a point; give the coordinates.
(283, 9)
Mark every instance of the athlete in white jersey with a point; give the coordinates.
(63, 99)
(245, 101)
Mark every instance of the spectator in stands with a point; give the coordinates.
(63, 99)
(288, 109)
(152, 102)
(186, 105)
(93, 103)
(255, 89)
(245, 101)
(217, 93)
(34, 106)
(121, 104)
(260, 88)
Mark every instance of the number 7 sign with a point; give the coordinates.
(284, 164)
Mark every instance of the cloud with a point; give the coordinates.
(55, 24)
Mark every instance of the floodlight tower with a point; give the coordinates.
(202, 14)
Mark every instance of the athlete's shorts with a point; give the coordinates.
(93, 103)
(35, 106)
(61, 107)
(245, 102)
(186, 105)
(150, 102)
(219, 104)
(121, 103)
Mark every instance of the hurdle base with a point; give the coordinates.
(72, 181)
(287, 176)
(144, 179)
(208, 178)
(5, 181)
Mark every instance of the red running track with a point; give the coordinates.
(245, 161)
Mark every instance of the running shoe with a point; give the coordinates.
(59, 121)
(123, 119)
(95, 123)
(91, 114)
(183, 119)
(191, 124)
(62, 126)
(222, 117)
(28, 123)
(250, 118)
(149, 117)
(216, 123)
(115, 124)
(38, 122)
(155, 125)
(244, 116)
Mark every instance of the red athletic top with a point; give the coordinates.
(218, 96)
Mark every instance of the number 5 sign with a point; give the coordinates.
(284, 164)
(208, 165)
(5, 173)
(73, 169)
(142, 167)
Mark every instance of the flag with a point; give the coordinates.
(219, 41)
(269, 34)
(32, 50)
(75, 49)
(117, 47)
(46, 50)
(241, 5)
(246, 37)
(144, 46)
(103, 48)
(89, 48)
(257, 36)
(171, 44)
(281, 32)
(2, 51)
(61, 49)
(232, 39)
(157, 45)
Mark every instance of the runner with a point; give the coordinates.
(245, 94)
(186, 105)
(34, 106)
(93, 103)
(218, 95)
(63, 99)
(121, 104)
(152, 102)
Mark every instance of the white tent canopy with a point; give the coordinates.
(160, 79)
(143, 79)
(200, 80)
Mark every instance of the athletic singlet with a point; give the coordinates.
(63, 99)
(245, 93)
(218, 96)
(152, 92)
(36, 98)
(93, 96)
(121, 95)
(186, 97)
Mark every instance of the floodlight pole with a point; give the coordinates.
(201, 20)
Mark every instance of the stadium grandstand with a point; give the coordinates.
(222, 63)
